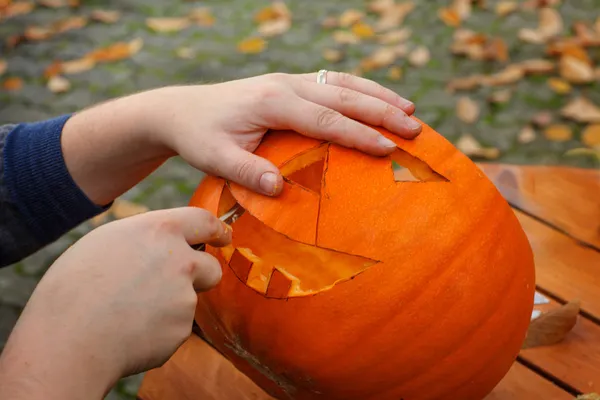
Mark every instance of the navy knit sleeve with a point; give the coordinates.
(39, 201)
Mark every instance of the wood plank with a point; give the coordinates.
(563, 267)
(566, 197)
(575, 359)
(522, 383)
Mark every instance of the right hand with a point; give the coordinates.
(118, 302)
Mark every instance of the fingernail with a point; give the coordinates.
(413, 125)
(406, 104)
(268, 182)
(385, 142)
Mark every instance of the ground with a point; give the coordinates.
(213, 56)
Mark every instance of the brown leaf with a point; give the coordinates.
(53, 69)
(105, 16)
(381, 6)
(500, 96)
(586, 34)
(117, 51)
(363, 30)
(496, 49)
(77, 66)
(503, 8)
(202, 16)
(552, 326)
(419, 57)
(345, 37)
(559, 85)
(186, 53)
(575, 70)
(531, 36)
(330, 23)
(591, 136)
(53, 3)
(510, 74)
(124, 209)
(3, 66)
(582, 110)
(253, 45)
(550, 23)
(70, 23)
(527, 135)
(558, 133)
(465, 83)
(18, 8)
(350, 17)
(167, 24)
(462, 8)
(12, 84)
(542, 118)
(395, 36)
(467, 110)
(275, 27)
(449, 17)
(537, 66)
(58, 84)
(277, 10)
(332, 55)
(471, 147)
(395, 15)
(394, 73)
(35, 33)
(381, 57)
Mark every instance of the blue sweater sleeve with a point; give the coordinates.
(39, 201)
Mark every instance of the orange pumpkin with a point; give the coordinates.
(355, 285)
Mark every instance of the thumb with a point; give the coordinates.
(247, 169)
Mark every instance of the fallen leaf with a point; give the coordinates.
(277, 10)
(559, 85)
(380, 6)
(395, 36)
(550, 23)
(274, 28)
(13, 40)
(394, 73)
(100, 218)
(167, 24)
(58, 84)
(77, 66)
(503, 8)
(467, 110)
(577, 52)
(69, 24)
(495, 49)
(575, 71)
(53, 3)
(186, 53)
(252, 45)
(202, 16)
(53, 69)
(582, 151)
(552, 326)
(350, 17)
(363, 30)
(558, 133)
(345, 37)
(586, 34)
(537, 66)
(500, 96)
(18, 8)
(35, 33)
(527, 135)
(332, 55)
(12, 84)
(510, 74)
(471, 147)
(449, 17)
(105, 16)
(330, 23)
(134, 46)
(381, 57)
(394, 15)
(531, 36)
(591, 136)
(3, 66)
(419, 57)
(117, 51)
(542, 118)
(465, 83)
(124, 209)
(581, 110)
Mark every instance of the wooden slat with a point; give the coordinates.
(563, 267)
(523, 384)
(568, 198)
(575, 359)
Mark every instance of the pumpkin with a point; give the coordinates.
(355, 283)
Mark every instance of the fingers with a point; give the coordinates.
(365, 86)
(357, 105)
(206, 271)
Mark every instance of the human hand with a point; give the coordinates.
(120, 301)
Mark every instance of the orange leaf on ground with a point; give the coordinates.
(467, 110)
(70, 23)
(381, 57)
(472, 148)
(510, 74)
(559, 85)
(575, 71)
(449, 17)
(419, 57)
(53, 69)
(558, 133)
(552, 326)
(350, 17)
(395, 15)
(363, 30)
(77, 66)
(332, 55)
(202, 16)
(500, 96)
(591, 136)
(3, 66)
(12, 84)
(465, 83)
(550, 23)
(253, 45)
(275, 27)
(168, 24)
(395, 36)
(58, 84)
(503, 8)
(105, 16)
(537, 66)
(117, 51)
(394, 73)
(18, 8)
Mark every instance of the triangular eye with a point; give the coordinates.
(307, 168)
(408, 168)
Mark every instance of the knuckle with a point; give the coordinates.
(348, 95)
(169, 226)
(346, 79)
(268, 92)
(326, 118)
(242, 169)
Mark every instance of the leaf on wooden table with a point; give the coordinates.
(332, 55)
(167, 24)
(362, 30)
(381, 57)
(394, 73)
(253, 45)
(500, 96)
(12, 84)
(3, 66)
(582, 110)
(467, 110)
(395, 36)
(558, 133)
(77, 66)
(575, 70)
(537, 66)
(58, 84)
(105, 16)
(350, 17)
(503, 8)
(542, 118)
(471, 147)
(526, 135)
(552, 326)
(591, 136)
(559, 85)
(186, 53)
(345, 37)
(419, 57)
(123, 209)
(202, 16)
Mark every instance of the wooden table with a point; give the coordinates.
(559, 208)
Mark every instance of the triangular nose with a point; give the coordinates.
(307, 169)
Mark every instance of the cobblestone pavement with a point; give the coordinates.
(300, 50)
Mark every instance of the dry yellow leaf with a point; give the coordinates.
(467, 110)
(575, 71)
(77, 66)
(419, 57)
(558, 133)
(332, 55)
(186, 53)
(18, 8)
(537, 66)
(12, 84)
(363, 30)
(449, 17)
(202, 16)
(591, 136)
(462, 8)
(503, 8)
(3, 66)
(277, 10)
(167, 24)
(577, 52)
(465, 83)
(345, 37)
(394, 73)
(581, 110)
(500, 96)
(105, 16)
(350, 17)
(395, 36)
(471, 147)
(253, 45)
(58, 84)
(381, 57)
(135, 46)
(559, 86)
(527, 135)
(123, 209)
(70, 23)
(531, 36)
(34, 33)
(394, 16)
(53, 3)
(495, 49)
(550, 24)
(275, 27)
(552, 326)
(510, 74)
(381, 6)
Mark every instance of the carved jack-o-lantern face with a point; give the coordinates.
(355, 284)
